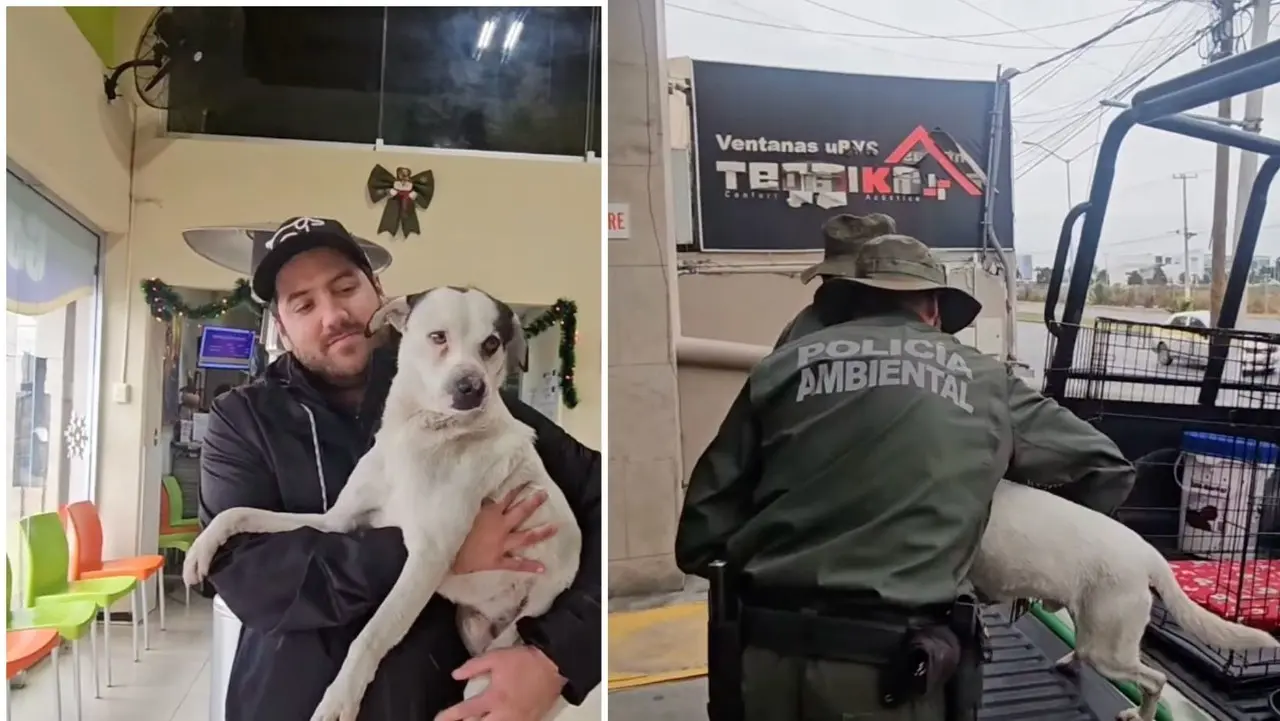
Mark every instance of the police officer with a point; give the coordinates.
(850, 485)
(842, 237)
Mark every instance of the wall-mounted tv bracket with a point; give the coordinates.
(1161, 106)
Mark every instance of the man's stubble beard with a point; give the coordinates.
(333, 373)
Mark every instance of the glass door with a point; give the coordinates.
(51, 357)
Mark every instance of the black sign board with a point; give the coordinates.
(779, 151)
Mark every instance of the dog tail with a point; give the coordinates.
(1199, 622)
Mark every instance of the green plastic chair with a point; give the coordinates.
(72, 620)
(177, 505)
(45, 546)
(178, 542)
(176, 538)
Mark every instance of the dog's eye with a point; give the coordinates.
(490, 345)
(437, 337)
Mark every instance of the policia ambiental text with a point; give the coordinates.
(844, 366)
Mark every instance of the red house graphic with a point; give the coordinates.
(920, 137)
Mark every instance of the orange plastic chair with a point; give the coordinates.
(24, 649)
(83, 526)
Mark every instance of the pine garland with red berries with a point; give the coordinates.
(563, 312)
(166, 304)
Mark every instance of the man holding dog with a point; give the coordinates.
(289, 440)
(848, 489)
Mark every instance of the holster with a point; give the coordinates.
(917, 654)
(964, 690)
(724, 645)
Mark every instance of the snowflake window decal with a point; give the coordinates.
(76, 436)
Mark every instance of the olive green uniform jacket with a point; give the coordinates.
(863, 458)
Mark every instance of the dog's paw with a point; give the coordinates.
(196, 564)
(339, 704)
(1130, 714)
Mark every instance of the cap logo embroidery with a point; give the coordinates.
(297, 227)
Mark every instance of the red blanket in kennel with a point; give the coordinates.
(1248, 593)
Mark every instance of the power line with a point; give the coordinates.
(979, 9)
(881, 36)
(1186, 26)
(847, 38)
(946, 38)
(1083, 120)
(1044, 79)
(1095, 114)
(1145, 76)
(1093, 41)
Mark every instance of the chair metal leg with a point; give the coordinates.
(75, 676)
(146, 626)
(93, 660)
(187, 590)
(160, 592)
(106, 641)
(135, 603)
(57, 684)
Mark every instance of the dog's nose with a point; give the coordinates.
(468, 392)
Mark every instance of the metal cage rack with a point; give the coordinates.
(1197, 410)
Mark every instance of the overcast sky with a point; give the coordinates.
(1146, 202)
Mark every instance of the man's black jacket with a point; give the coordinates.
(304, 595)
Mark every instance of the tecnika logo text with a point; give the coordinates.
(899, 177)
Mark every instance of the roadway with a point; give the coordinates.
(1132, 355)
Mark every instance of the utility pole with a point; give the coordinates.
(1252, 118)
(1223, 42)
(1071, 253)
(1186, 235)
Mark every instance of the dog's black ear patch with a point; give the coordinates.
(511, 333)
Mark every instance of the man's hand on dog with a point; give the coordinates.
(495, 539)
(523, 686)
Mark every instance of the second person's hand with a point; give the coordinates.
(494, 542)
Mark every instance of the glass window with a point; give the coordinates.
(1178, 321)
(51, 354)
(302, 73)
(504, 79)
(524, 80)
(597, 86)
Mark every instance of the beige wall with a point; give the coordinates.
(528, 231)
(60, 128)
(743, 308)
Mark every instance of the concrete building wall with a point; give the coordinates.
(644, 427)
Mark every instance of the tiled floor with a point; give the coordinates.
(170, 683)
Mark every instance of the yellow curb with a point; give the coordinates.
(657, 645)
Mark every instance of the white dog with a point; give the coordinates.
(1038, 545)
(447, 443)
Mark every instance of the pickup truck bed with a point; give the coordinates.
(1021, 684)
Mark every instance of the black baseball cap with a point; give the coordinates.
(298, 235)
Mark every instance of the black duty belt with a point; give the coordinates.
(836, 638)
